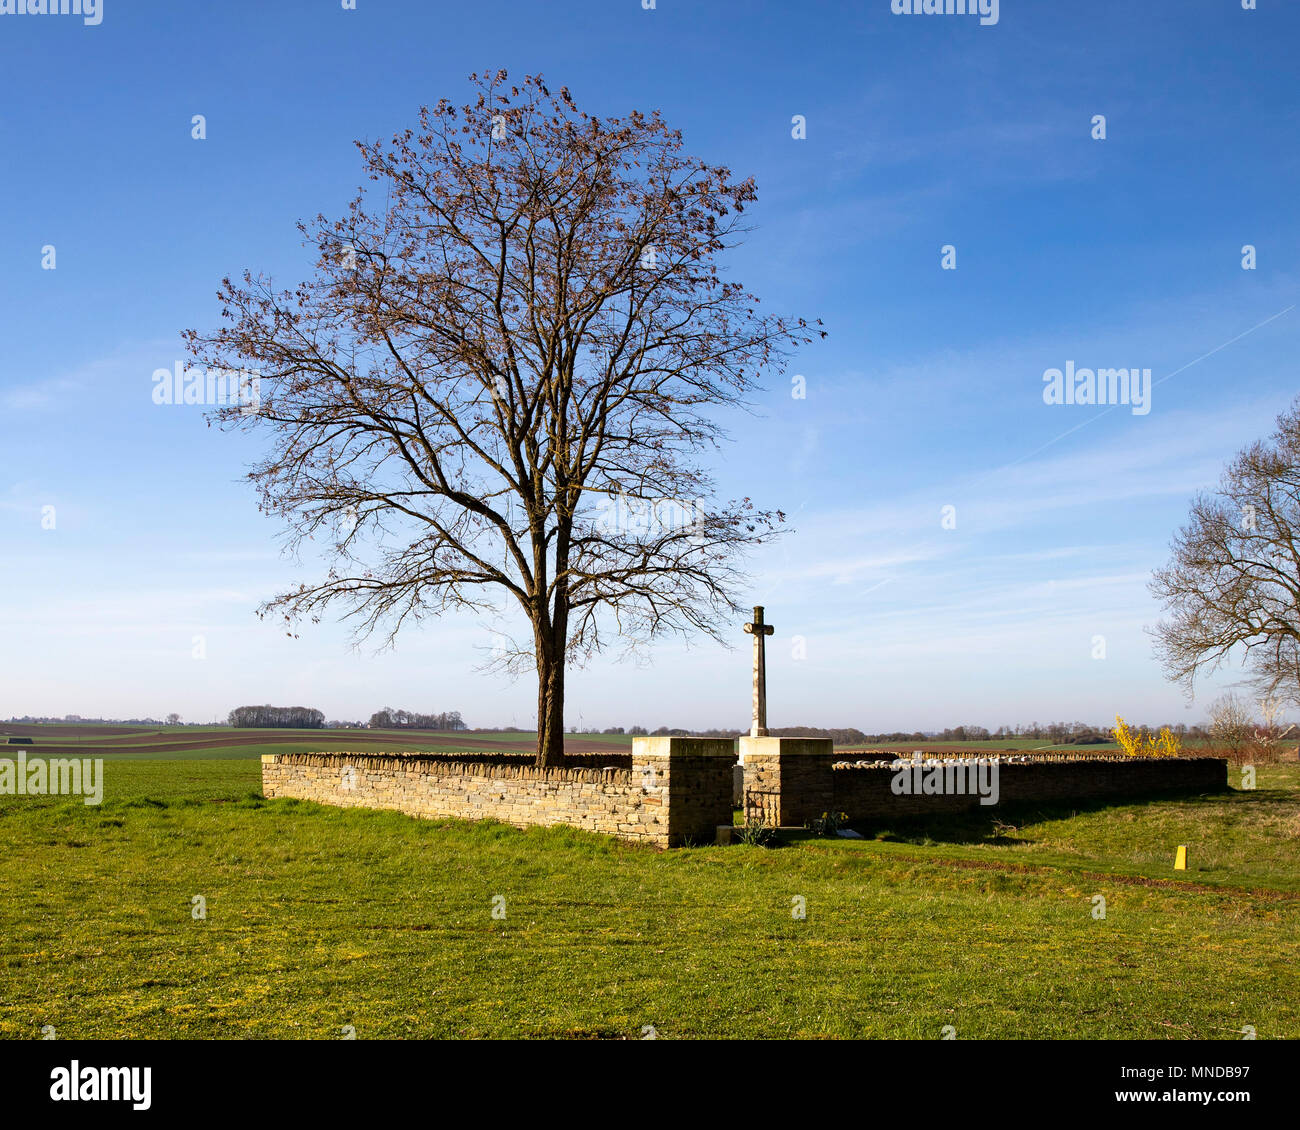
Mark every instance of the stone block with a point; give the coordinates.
(792, 777)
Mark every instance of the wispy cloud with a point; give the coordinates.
(40, 396)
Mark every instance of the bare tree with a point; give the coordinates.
(1269, 736)
(500, 380)
(1231, 724)
(1234, 581)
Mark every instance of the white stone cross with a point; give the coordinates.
(758, 630)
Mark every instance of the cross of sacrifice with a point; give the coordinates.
(758, 630)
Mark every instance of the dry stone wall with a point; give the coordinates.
(865, 793)
(677, 790)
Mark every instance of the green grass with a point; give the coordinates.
(136, 746)
(253, 750)
(321, 917)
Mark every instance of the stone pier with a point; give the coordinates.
(788, 781)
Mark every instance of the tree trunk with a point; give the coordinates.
(550, 707)
(551, 631)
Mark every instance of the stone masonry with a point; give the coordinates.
(864, 793)
(791, 781)
(788, 780)
(680, 790)
(677, 791)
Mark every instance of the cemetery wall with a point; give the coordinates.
(865, 793)
(677, 790)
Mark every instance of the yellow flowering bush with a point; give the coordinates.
(1163, 744)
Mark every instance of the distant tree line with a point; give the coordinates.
(1080, 733)
(1055, 733)
(841, 736)
(286, 717)
(390, 719)
(32, 720)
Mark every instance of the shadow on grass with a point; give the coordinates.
(1000, 825)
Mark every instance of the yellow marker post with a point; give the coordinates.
(1180, 860)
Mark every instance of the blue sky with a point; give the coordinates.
(922, 131)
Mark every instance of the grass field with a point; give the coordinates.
(319, 918)
(225, 742)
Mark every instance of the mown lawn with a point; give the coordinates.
(320, 918)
